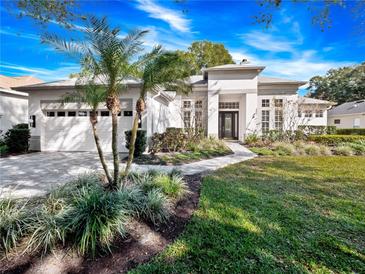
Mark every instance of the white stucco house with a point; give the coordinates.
(228, 101)
(348, 115)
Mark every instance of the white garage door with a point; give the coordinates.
(65, 132)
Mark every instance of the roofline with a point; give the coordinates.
(300, 83)
(44, 87)
(355, 113)
(260, 68)
(14, 92)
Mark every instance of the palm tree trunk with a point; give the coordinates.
(132, 143)
(115, 149)
(100, 151)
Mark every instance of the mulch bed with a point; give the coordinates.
(144, 242)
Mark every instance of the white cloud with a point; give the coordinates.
(45, 74)
(19, 34)
(172, 17)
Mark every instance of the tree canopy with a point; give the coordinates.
(203, 54)
(339, 85)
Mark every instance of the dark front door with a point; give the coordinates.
(228, 125)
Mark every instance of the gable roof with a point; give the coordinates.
(264, 80)
(13, 92)
(235, 67)
(355, 107)
(11, 82)
(313, 101)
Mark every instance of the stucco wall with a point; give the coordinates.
(347, 121)
(13, 110)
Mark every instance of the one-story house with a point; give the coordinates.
(14, 104)
(228, 101)
(348, 115)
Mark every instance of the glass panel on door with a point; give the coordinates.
(228, 125)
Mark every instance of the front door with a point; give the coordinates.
(228, 125)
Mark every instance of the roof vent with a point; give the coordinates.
(244, 61)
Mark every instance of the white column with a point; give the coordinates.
(213, 111)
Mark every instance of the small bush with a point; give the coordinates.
(13, 222)
(312, 150)
(172, 186)
(317, 130)
(333, 140)
(358, 148)
(156, 208)
(343, 150)
(17, 138)
(174, 139)
(251, 139)
(140, 144)
(325, 150)
(283, 149)
(95, 218)
(3, 150)
(351, 131)
(263, 151)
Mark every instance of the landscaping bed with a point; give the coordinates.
(144, 238)
(275, 215)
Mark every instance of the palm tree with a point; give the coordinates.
(92, 95)
(109, 58)
(161, 71)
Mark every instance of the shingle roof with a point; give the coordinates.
(11, 82)
(348, 108)
(273, 80)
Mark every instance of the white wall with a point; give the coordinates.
(13, 110)
(347, 121)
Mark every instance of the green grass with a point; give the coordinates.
(275, 215)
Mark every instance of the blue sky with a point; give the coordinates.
(292, 48)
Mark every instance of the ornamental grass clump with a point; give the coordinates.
(156, 207)
(283, 149)
(13, 222)
(312, 150)
(172, 186)
(343, 150)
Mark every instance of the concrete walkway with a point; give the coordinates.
(35, 174)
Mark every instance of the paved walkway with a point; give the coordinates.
(36, 174)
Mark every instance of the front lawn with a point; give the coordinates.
(274, 215)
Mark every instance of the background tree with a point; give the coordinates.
(203, 54)
(339, 85)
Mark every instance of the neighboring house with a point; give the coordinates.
(348, 115)
(228, 101)
(313, 112)
(14, 104)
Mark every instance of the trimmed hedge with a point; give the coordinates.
(140, 144)
(333, 140)
(17, 138)
(351, 131)
(318, 130)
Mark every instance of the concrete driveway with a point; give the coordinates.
(36, 174)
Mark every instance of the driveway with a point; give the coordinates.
(35, 174)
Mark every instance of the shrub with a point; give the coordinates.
(317, 130)
(312, 150)
(174, 139)
(283, 149)
(333, 140)
(325, 150)
(140, 144)
(95, 218)
(13, 221)
(17, 138)
(210, 145)
(251, 139)
(343, 150)
(263, 151)
(172, 186)
(351, 131)
(358, 148)
(155, 208)
(3, 150)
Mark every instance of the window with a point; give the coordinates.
(278, 119)
(32, 121)
(356, 122)
(186, 104)
(299, 113)
(198, 104)
(229, 105)
(82, 113)
(120, 113)
(265, 103)
(337, 121)
(319, 113)
(308, 113)
(104, 113)
(71, 114)
(278, 103)
(50, 114)
(61, 114)
(187, 117)
(127, 113)
(198, 119)
(265, 121)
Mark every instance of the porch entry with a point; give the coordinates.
(228, 125)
